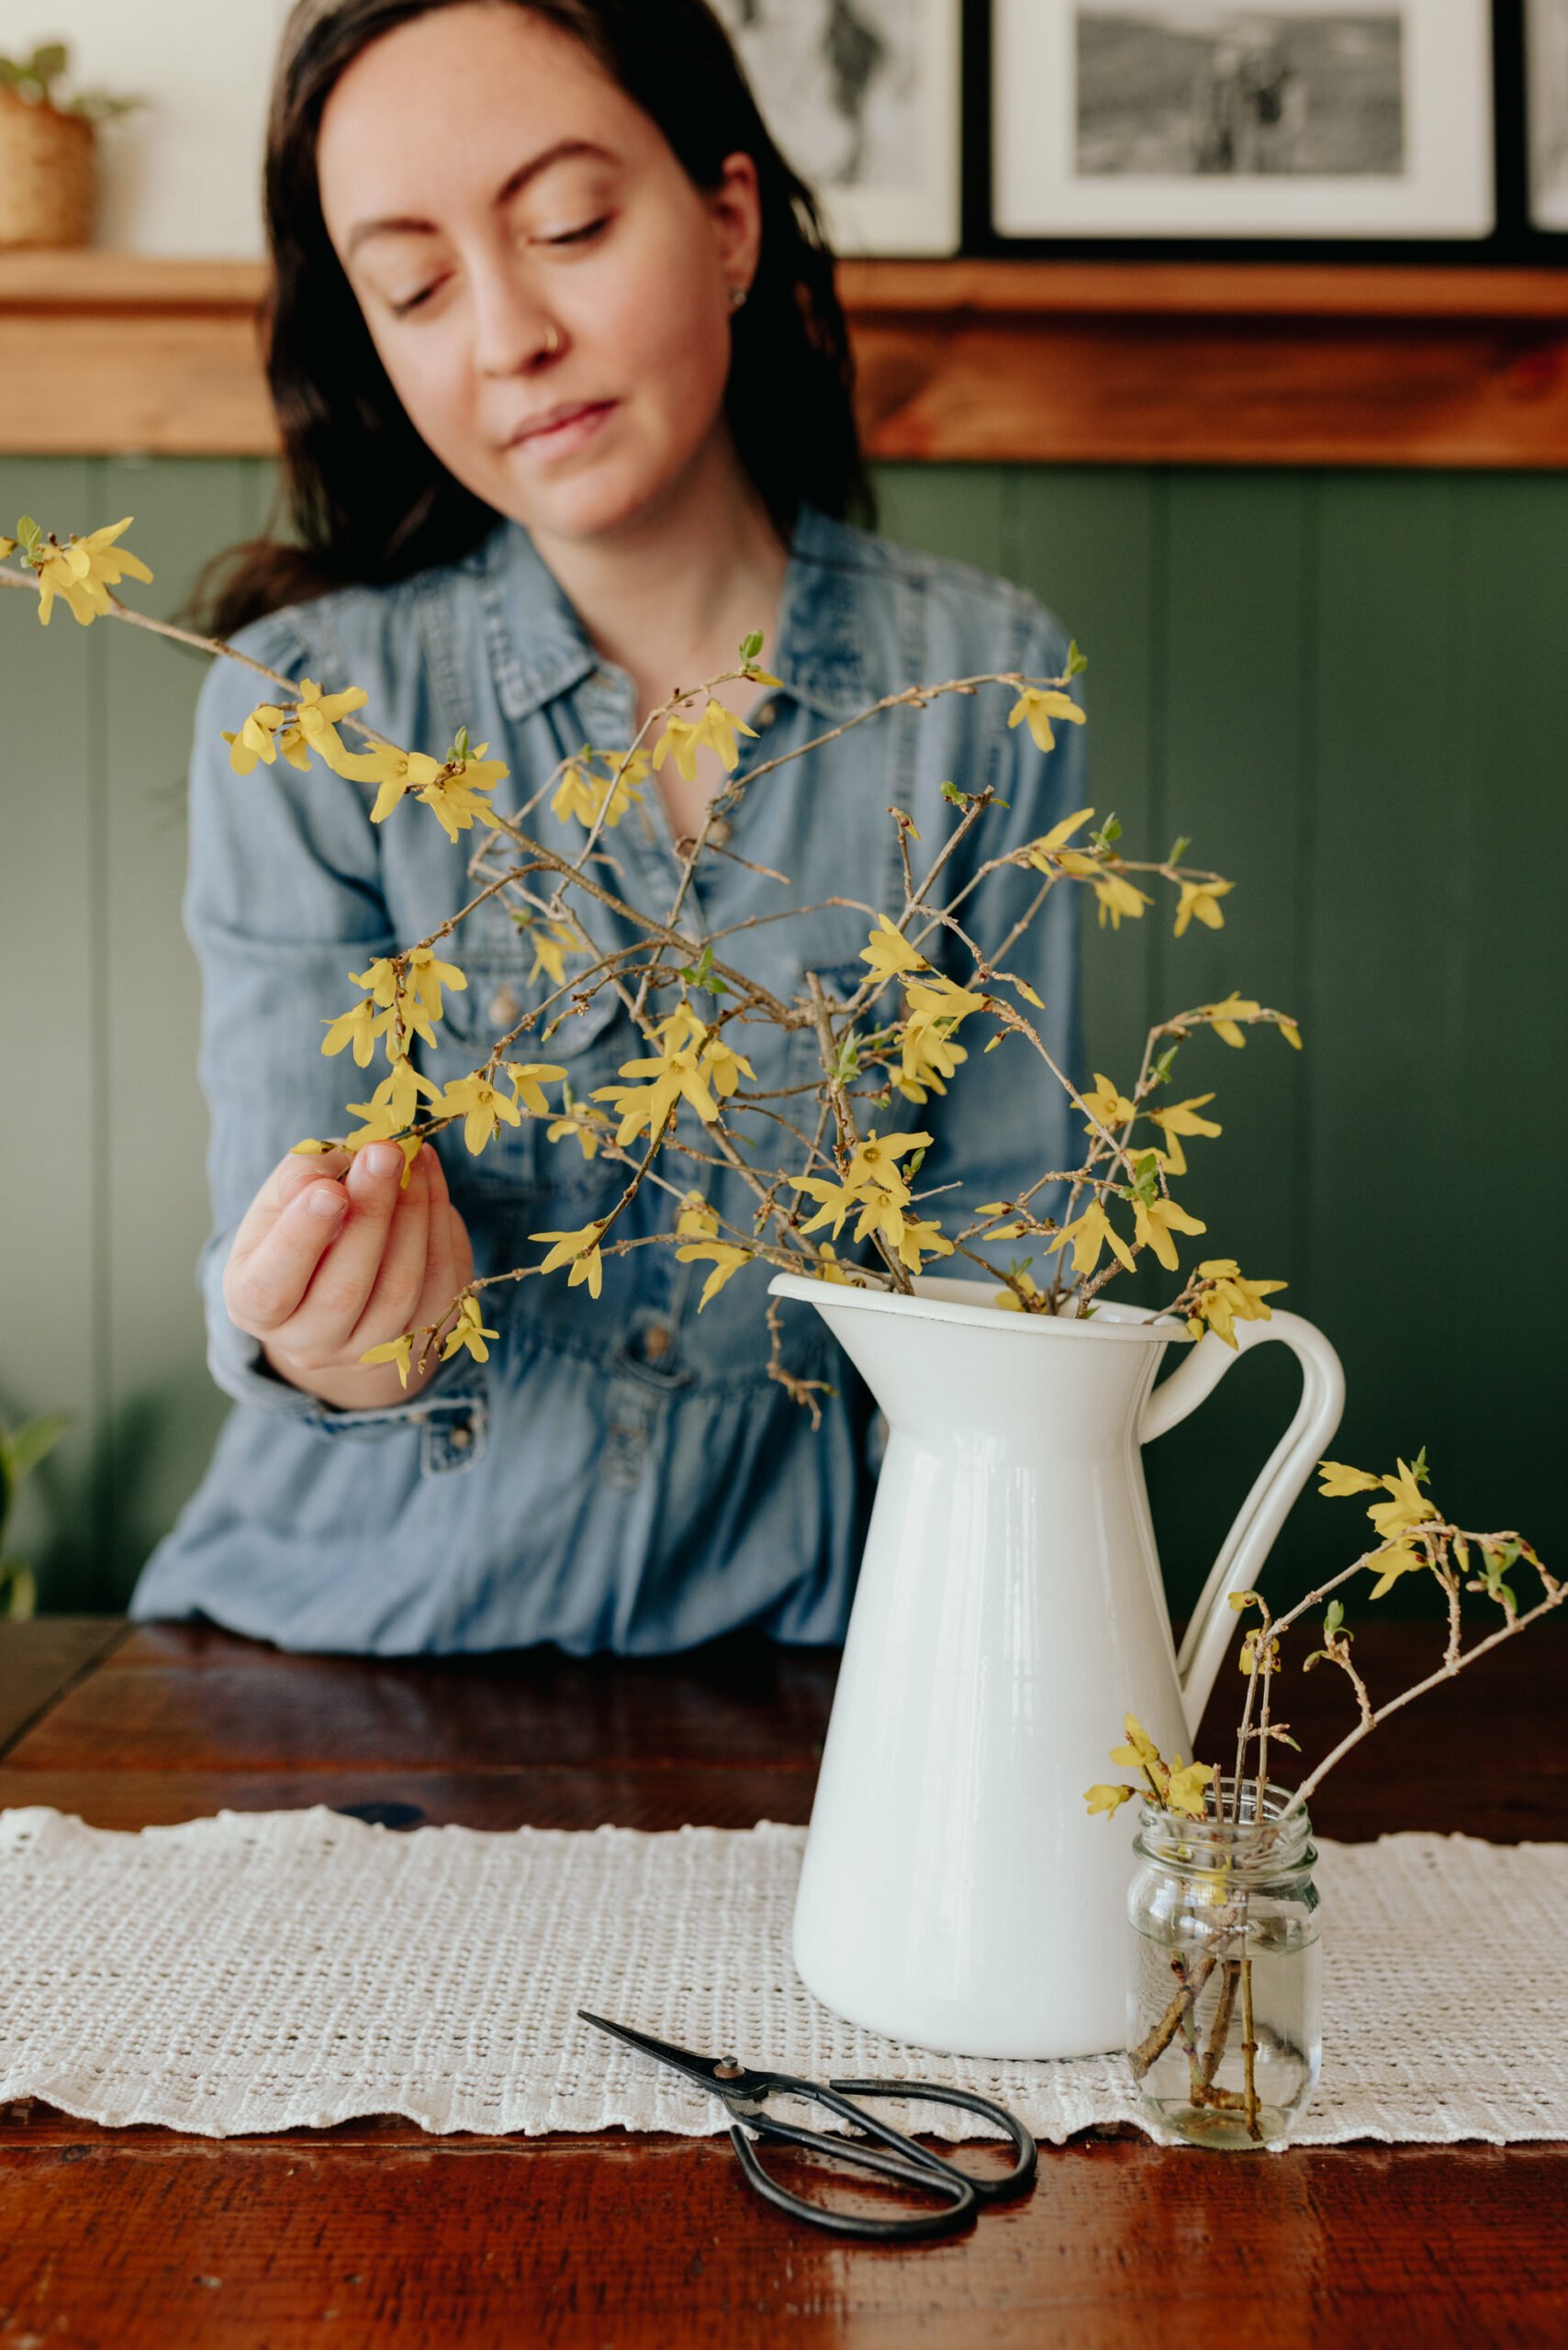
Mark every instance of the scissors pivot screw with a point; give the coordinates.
(728, 2070)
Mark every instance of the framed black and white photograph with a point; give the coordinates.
(1546, 73)
(1316, 119)
(862, 95)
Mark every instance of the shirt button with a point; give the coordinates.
(721, 832)
(656, 1341)
(503, 1008)
(767, 714)
(460, 1438)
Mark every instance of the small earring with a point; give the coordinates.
(737, 297)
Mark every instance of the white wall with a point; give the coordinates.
(180, 175)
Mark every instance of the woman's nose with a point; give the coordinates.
(513, 333)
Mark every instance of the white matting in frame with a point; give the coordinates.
(1286, 119)
(862, 95)
(1545, 69)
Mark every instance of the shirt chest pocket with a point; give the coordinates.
(511, 971)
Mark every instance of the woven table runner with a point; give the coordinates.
(269, 1971)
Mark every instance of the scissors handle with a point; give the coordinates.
(909, 2162)
(990, 2190)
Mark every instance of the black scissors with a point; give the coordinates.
(742, 2093)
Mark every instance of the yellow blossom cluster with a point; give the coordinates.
(1222, 1298)
(874, 1188)
(692, 1063)
(698, 1223)
(1174, 1785)
(589, 797)
(1407, 1508)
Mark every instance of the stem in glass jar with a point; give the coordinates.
(1249, 2054)
(1220, 2033)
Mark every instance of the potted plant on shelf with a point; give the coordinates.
(49, 150)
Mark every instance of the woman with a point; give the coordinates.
(564, 392)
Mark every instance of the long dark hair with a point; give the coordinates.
(365, 499)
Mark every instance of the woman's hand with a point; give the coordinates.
(333, 1257)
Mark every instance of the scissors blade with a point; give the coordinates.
(721, 2076)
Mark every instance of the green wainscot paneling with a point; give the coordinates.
(1350, 689)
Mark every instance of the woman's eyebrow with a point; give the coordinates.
(404, 225)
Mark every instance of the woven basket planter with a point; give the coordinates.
(48, 175)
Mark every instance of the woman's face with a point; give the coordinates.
(548, 291)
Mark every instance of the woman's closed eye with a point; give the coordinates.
(583, 235)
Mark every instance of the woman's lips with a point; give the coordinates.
(561, 430)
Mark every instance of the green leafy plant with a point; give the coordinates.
(33, 78)
(19, 1455)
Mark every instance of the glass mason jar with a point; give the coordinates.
(1224, 1995)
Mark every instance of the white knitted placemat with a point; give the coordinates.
(267, 1971)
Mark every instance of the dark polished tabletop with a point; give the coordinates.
(375, 2233)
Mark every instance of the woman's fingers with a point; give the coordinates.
(294, 1218)
(399, 1281)
(343, 1282)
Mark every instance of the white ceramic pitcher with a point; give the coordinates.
(955, 1892)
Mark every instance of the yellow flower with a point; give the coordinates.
(1184, 1790)
(1117, 897)
(359, 1028)
(1409, 1506)
(84, 573)
(397, 1350)
(1089, 1234)
(1105, 1104)
(1140, 1753)
(1041, 853)
(1037, 706)
(828, 1267)
(1254, 1654)
(1182, 1118)
(580, 1250)
(1223, 1017)
(1107, 1798)
(315, 728)
(1339, 1480)
(1008, 1300)
(582, 1121)
(529, 1079)
(470, 1332)
(256, 739)
(676, 1075)
(477, 1103)
(1291, 1032)
(838, 1201)
(583, 794)
(715, 730)
(724, 1066)
(395, 1102)
(1155, 1220)
(379, 978)
(428, 975)
(551, 943)
(1224, 1298)
(922, 1238)
(452, 796)
(1388, 1568)
(890, 951)
(397, 772)
(1199, 898)
(875, 1162)
(700, 1223)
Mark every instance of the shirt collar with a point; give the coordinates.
(539, 650)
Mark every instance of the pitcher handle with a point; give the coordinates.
(1263, 1512)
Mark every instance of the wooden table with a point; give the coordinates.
(375, 2234)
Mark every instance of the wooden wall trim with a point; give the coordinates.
(998, 362)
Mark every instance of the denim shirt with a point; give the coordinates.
(621, 1473)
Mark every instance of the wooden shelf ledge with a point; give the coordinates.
(1000, 362)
